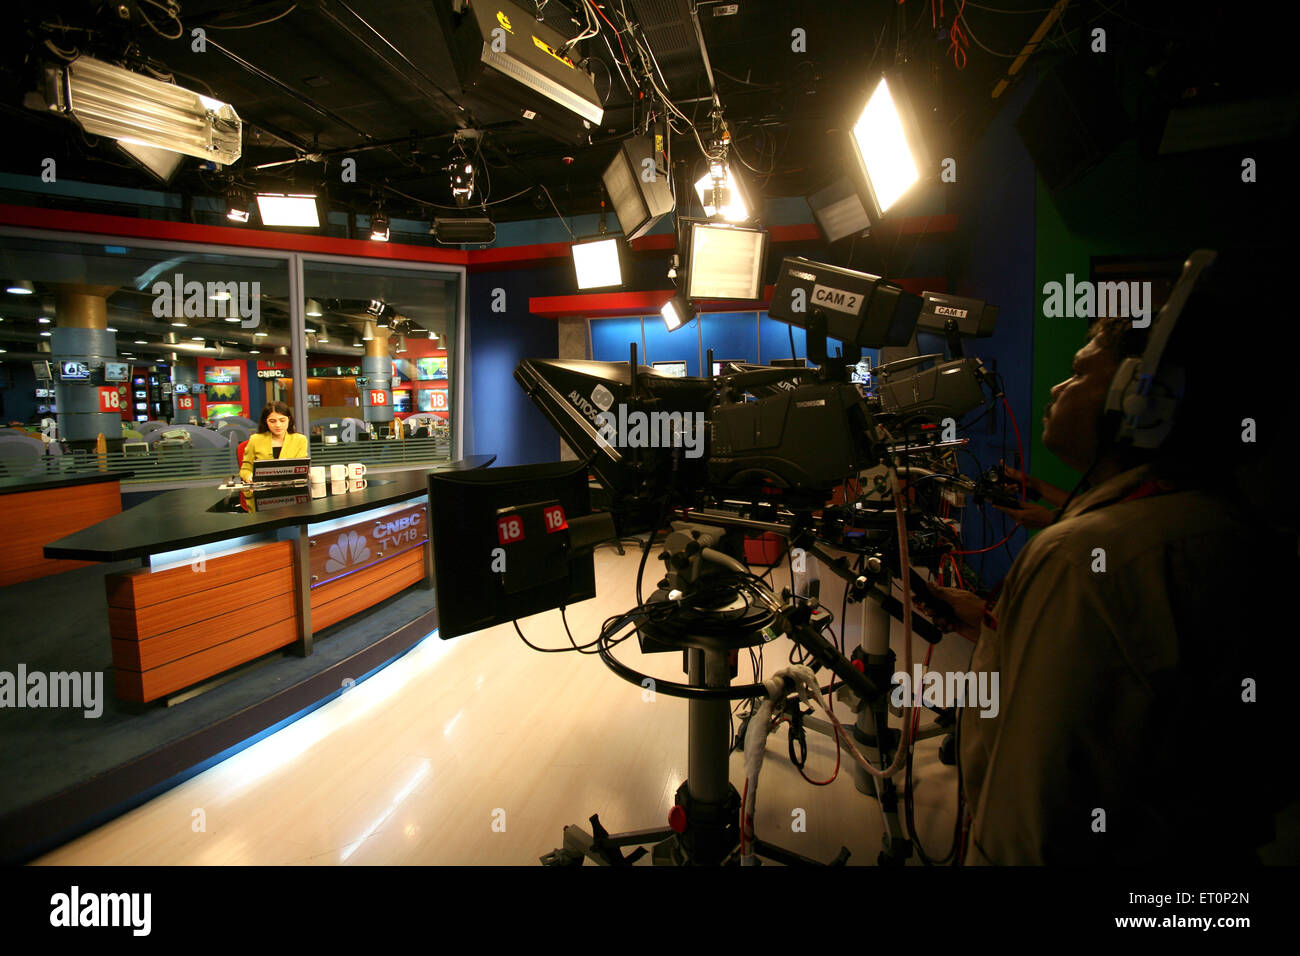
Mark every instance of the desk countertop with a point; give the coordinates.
(183, 519)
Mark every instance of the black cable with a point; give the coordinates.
(550, 650)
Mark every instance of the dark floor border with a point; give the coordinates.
(45, 825)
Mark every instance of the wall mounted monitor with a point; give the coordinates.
(42, 393)
(43, 371)
(721, 364)
(116, 372)
(74, 371)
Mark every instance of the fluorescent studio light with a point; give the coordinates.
(596, 264)
(279, 209)
(726, 262)
(139, 111)
(887, 147)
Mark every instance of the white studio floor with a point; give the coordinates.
(478, 751)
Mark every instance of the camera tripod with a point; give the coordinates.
(704, 824)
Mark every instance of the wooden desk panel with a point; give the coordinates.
(180, 626)
(29, 520)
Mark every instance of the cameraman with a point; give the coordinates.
(1134, 636)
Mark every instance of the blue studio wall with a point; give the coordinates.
(994, 198)
(505, 422)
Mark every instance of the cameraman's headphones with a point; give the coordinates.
(1145, 393)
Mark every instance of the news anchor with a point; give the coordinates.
(275, 438)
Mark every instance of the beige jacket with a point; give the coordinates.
(1122, 649)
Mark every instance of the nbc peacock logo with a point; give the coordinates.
(348, 551)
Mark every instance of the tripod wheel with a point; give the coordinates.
(948, 751)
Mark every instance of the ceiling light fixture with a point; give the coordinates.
(285, 209)
(22, 287)
(378, 225)
(148, 118)
(721, 193)
(887, 147)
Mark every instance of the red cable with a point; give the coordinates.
(1020, 448)
(821, 783)
(621, 48)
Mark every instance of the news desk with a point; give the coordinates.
(221, 585)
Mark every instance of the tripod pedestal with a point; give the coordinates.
(704, 826)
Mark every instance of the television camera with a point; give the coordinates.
(805, 453)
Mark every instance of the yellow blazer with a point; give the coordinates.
(259, 449)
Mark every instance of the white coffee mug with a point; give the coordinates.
(356, 470)
(338, 472)
(318, 489)
(317, 474)
(357, 484)
(338, 487)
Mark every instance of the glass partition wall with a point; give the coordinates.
(158, 358)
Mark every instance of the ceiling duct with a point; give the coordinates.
(670, 34)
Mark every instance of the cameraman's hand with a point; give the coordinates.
(1045, 490)
(967, 605)
(1030, 515)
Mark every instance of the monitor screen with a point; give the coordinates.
(500, 543)
(672, 369)
(116, 372)
(861, 373)
(42, 369)
(74, 371)
(181, 389)
(42, 409)
(42, 393)
(721, 364)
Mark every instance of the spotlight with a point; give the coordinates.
(378, 225)
(368, 332)
(721, 194)
(22, 287)
(238, 205)
(677, 311)
(313, 308)
(462, 180)
(887, 147)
